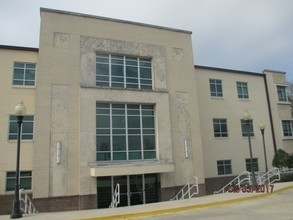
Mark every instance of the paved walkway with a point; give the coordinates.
(138, 211)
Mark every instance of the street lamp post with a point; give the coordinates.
(19, 111)
(247, 117)
(262, 129)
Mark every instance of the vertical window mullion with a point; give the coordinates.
(138, 72)
(126, 132)
(111, 134)
(110, 70)
(124, 71)
(141, 131)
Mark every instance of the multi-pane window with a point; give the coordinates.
(125, 132)
(123, 71)
(282, 93)
(25, 178)
(248, 164)
(220, 127)
(224, 167)
(27, 132)
(242, 90)
(287, 128)
(247, 125)
(216, 87)
(24, 74)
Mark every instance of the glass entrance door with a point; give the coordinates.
(134, 189)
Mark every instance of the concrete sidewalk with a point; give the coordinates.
(135, 212)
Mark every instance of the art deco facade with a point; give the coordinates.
(113, 101)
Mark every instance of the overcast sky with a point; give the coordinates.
(249, 35)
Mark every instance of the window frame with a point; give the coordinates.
(22, 177)
(24, 74)
(12, 136)
(248, 164)
(217, 86)
(242, 90)
(281, 98)
(226, 166)
(287, 134)
(123, 71)
(244, 128)
(130, 124)
(223, 127)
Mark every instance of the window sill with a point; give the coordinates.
(288, 138)
(23, 87)
(217, 97)
(22, 141)
(125, 89)
(244, 100)
(284, 103)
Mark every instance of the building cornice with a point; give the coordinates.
(8, 47)
(113, 20)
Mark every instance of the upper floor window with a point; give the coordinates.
(247, 125)
(287, 128)
(25, 178)
(242, 90)
(216, 88)
(224, 167)
(24, 74)
(220, 127)
(282, 93)
(123, 71)
(248, 164)
(125, 132)
(27, 132)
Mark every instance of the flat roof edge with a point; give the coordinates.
(114, 20)
(9, 47)
(228, 70)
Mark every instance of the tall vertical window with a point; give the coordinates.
(123, 71)
(216, 87)
(25, 178)
(125, 132)
(242, 90)
(248, 164)
(246, 128)
(224, 167)
(287, 128)
(220, 127)
(24, 74)
(282, 93)
(27, 132)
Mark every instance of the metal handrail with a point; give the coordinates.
(236, 181)
(266, 177)
(115, 197)
(29, 207)
(187, 190)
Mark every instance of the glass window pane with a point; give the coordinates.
(133, 121)
(103, 156)
(134, 142)
(135, 155)
(148, 122)
(103, 143)
(102, 69)
(103, 121)
(119, 143)
(117, 70)
(149, 154)
(149, 142)
(18, 74)
(118, 121)
(119, 156)
(145, 73)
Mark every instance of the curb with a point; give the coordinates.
(162, 211)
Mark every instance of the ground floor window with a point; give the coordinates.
(134, 189)
(248, 164)
(25, 179)
(224, 167)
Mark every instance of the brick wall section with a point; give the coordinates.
(55, 204)
(171, 192)
(215, 184)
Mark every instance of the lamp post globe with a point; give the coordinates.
(20, 111)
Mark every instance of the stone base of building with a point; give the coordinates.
(52, 204)
(216, 183)
(170, 192)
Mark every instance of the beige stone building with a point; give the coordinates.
(111, 101)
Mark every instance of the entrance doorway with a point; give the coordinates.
(134, 189)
